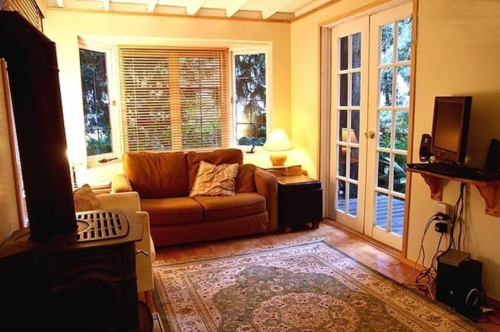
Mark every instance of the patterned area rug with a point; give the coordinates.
(306, 287)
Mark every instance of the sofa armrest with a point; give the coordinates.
(146, 255)
(145, 259)
(267, 185)
(128, 200)
(121, 184)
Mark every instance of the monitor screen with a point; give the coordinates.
(450, 128)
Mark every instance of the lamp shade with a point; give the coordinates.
(278, 141)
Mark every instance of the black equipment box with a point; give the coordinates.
(460, 286)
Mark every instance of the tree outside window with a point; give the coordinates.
(95, 102)
(251, 107)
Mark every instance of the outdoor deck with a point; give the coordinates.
(398, 212)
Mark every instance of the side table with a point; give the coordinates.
(284, 170)
(102, 187)
(300, 201)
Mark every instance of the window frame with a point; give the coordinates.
(110, 46)
(247, 51)
(114, 102)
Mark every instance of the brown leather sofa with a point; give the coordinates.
(165, 179)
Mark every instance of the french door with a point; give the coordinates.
(369, 133)
(349, 115)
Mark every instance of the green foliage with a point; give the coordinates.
(250, 71)
(95, 102)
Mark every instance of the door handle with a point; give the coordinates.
(370, 134)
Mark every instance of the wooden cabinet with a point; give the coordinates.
(300, 201)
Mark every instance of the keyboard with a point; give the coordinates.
(444, 169)
(457, 171)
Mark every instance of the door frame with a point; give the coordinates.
(326, 98)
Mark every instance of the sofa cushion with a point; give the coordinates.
(85, 199)
(172, 211)
(216, 157)
(215, 180)
(245, 182)
(157, 175)
(228, 207)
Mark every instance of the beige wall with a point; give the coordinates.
(305, 36)
(458, 54)
(63, 27)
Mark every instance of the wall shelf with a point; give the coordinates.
(488, 189)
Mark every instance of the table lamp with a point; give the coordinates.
(278, 142)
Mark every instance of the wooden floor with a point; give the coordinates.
(378, 257)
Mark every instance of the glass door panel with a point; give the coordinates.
(390, 93)
(349, 96)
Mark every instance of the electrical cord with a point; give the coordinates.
(460, 215)
(421, 283)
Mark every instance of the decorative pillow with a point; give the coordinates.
(215, 180)
(85, 199)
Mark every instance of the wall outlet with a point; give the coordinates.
(442, 208)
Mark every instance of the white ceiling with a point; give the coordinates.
(256, 9)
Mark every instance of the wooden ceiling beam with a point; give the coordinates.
(276, 7)
(235, 6)
(192, 6)
(152, 5)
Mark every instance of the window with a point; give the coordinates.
(94, 66)
(250, 98)
(174, 99)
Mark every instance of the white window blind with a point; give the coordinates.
(27, 8)
(174, 99)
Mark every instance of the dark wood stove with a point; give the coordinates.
(82, 281)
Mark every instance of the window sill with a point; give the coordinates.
(97, 165)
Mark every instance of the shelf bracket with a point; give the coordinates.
(436, 186)
(490, 195)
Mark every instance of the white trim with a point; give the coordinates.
(251, 50)
(114, 102)
(325, 113)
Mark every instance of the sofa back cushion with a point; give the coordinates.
(216, 157)
(157, 175)
(245, 182)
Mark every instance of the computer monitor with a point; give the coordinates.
(450, 128)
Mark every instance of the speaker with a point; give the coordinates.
(460, 286)
(493, 159)
(425, 148)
